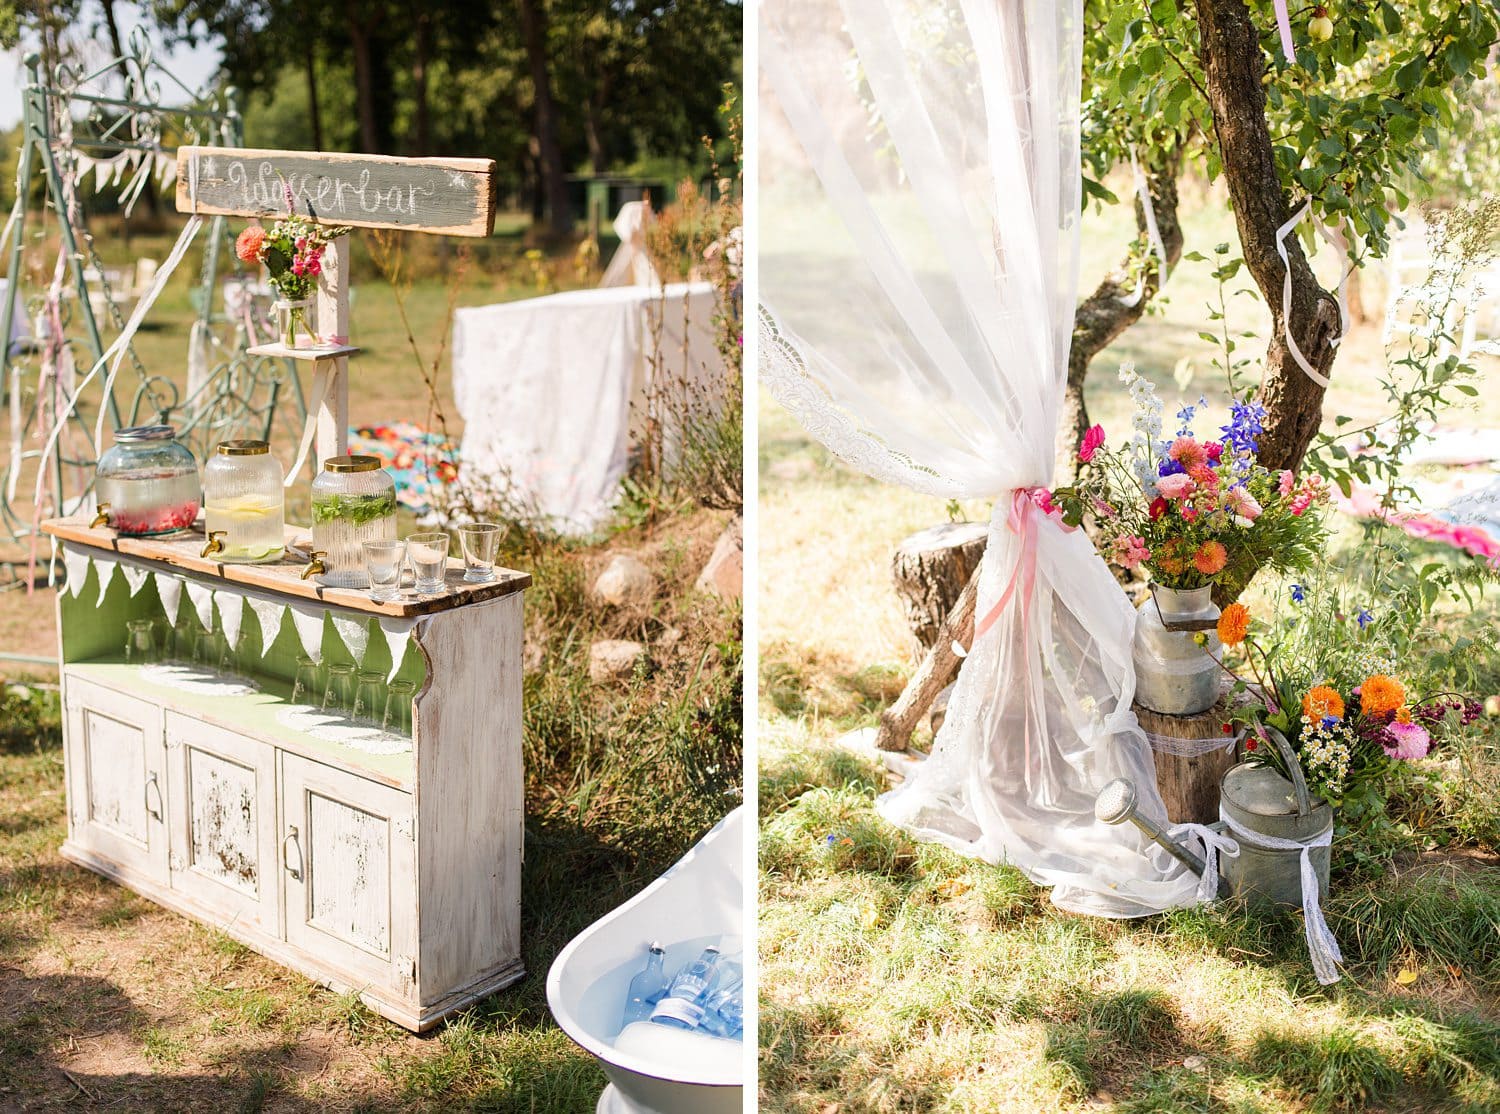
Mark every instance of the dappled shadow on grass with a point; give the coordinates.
(874, 947)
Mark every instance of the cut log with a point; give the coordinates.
(1191, 756)
(930, 570)
(938, 668)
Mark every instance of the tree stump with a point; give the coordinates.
(1192, 754)
(930, 570)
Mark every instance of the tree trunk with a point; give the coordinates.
(115, 42)
(1233, 65)
(310, 72)
(1103, 315)
(364, 92)
(930, 570)
(598, 160)
(422, 116)
(554, 184)
(938, 668)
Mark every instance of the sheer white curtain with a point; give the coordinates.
(920, 198)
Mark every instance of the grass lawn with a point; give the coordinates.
(898, 976)
(107, 1000)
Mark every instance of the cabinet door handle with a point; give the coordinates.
(291, 837)
(154, 813)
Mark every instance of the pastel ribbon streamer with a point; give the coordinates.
(1340, 242)
(1023, 509)
(1214, 843)
(321, 379)
(1284, 25)
(1153, 233)
(1322, 948)
(169, 588)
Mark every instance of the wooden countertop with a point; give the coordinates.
(283, 577)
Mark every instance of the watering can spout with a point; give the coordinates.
(1116, 803)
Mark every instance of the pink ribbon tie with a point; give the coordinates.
(1284, 25)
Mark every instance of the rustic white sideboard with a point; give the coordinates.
(395, 875)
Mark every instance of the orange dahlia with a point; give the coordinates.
(1403, 714)
(1380, 694)
(1322, 701)
(248, 244)
(1211, 558)
(1234, 624)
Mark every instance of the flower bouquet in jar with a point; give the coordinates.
(1192, 512)
(1328, 679)
(292, 253)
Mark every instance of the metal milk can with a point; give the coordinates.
(1260, 800)
(1173, 674)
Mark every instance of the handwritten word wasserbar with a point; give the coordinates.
(453, 196)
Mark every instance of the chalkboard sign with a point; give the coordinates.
(450, 196)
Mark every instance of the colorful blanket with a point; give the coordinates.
(422, 462)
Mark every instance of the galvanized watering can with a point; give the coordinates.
(1255, 802)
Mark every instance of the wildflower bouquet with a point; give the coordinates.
(1193, 511)
(1328, 680)
(292, 253)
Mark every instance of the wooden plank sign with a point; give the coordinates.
(454, 197)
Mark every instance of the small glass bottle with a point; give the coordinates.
(647, 988)
(244, 504)
(682, 1008)
(296, 322)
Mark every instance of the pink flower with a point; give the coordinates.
(1412, 740)
(1189, 513)
(1178, 486)
(1104, 510)
(1288, 481)
(1130, 551)
(1092, 439)
(1187, 452)
(1043, 499)
(1301, 503)
(314, 267)
(1204, 476)
(1214, 451)
(1242, 503)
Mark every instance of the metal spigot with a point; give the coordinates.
(1116, 803)
(316, 565)
(102, 518)
(215, 542)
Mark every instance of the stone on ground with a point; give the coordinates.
(613, 659)
(625, 582)
(724, 575)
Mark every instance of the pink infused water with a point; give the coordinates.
(151, 501)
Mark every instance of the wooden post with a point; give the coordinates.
(333, 324)
(938, 668)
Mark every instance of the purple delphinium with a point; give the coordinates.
(1299, 593)
(1365, 617)
(1169, 467)
(1246, 423)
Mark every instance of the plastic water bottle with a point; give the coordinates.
(724, 1011)
(682, 1008)
(647, 988)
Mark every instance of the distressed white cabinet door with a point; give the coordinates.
(348, 868)
(223, 808)
(117, 778)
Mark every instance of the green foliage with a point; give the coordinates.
(1352, 119)
(357, 510)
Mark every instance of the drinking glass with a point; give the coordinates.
(185, 636)
(398, 707)
(369, 696)
(383, 562)
(480, 541)
(339, 696)
(305, 684)
(429, 560)
(223, 652)
(140, 641)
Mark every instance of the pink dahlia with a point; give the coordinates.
(1188, 452)
(1412, 740)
